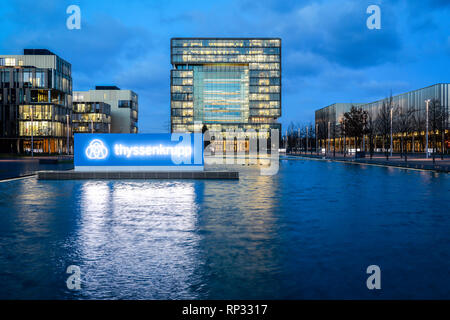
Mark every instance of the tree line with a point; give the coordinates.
(369, 126)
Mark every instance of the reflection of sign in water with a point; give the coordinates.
(96, 150)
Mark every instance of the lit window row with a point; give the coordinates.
(264, 66)
(226, 43)
(264, 74)
(94, 117)
(225, 51)
(264, 89)
(182, 74)
(10, 62)
(41, 128)
(266, 96)
(264, 82)
(264, 104)
(265, 112)
(182, 112)
(224, 58)
(182, 104)
(181, 89)
(39, 112)
(182, 81)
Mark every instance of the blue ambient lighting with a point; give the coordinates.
(139, 150)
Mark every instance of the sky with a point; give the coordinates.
(328, 53)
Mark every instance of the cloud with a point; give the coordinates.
(328, 54)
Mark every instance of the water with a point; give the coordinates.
(11, 168)
(307, 233)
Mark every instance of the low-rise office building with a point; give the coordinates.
(329, 130)
(35, 102)
(123, 106)
(91, 117)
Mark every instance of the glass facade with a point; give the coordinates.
(225, 84)
(35, 101)
(414, 101)
(123, 106)
(91, 117)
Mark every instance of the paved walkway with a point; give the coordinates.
(415, 161)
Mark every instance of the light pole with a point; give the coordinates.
(32, 144)
(307, 134)
(329, 137)
(92, 126)
(391, 131)
(317, 146)
(67, 117)
(426, 135)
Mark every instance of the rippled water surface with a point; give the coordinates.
(308, 232)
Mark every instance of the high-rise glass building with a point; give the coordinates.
(225, 84)
(35, 102)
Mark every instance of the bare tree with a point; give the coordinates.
(419, 119)
(342, 131)
(370, 130)
(383, 123)
(437, 115)
(355, 122)
(404, 126)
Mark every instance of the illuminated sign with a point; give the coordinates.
(138, 152)
(96, 150)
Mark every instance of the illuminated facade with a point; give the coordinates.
(330, 116)
(123, 106)
(92, 117)
(35, 102)
(225, 84)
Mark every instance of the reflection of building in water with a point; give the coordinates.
(224, 84)
(240, 225)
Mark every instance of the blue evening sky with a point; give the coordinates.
(328, 53)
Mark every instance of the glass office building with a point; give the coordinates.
(35, 102)
(225, 84)
(91, 117)
(123, 104)
(415, 101)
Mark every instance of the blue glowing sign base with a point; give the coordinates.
(138, 152)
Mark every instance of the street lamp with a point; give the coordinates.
(329, 137)
(391, 130)
(32, 144)
(307, 145)
(426, 137)
(67, 118)
(317, 142)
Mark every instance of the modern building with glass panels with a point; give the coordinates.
(225, 84)
(91, 117)
(35, 102)
(328, 121)
(123, 106)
